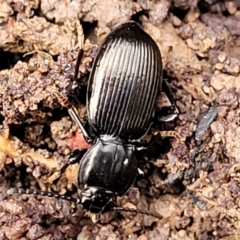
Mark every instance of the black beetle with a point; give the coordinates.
(123, 88)
(124, 84)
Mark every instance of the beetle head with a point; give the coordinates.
(96, 201)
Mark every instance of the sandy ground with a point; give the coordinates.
(193, 182)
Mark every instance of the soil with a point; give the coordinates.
(192, 181)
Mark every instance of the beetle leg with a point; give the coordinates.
(172, 110)
(42, 53)
(75, 157)
(74, 115)
(80, 34)
(77, 27)
(146, 146)
(157, 136)
(71, 110)
(79, 58)
(80, 77)
(173, 134)
(140, 172)
(75, 87)
(141, 148)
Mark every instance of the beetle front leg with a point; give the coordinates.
(157, 139)
(174, 134)
(172, 110)
(75, 157)
(149, 147)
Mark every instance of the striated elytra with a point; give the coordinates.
(124, 84)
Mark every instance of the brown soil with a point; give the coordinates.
(193, 184)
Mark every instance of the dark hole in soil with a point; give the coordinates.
(1, 119)
(8, 59)
(21, 131)
(136, 17)
(178, 12)
(88, 27)
(203, 7)
(41, 130)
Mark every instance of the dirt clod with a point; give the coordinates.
(193, 182)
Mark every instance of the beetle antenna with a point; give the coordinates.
(149, 213)
(77, 200)
(43, 193)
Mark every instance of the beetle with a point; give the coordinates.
(123, 87)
